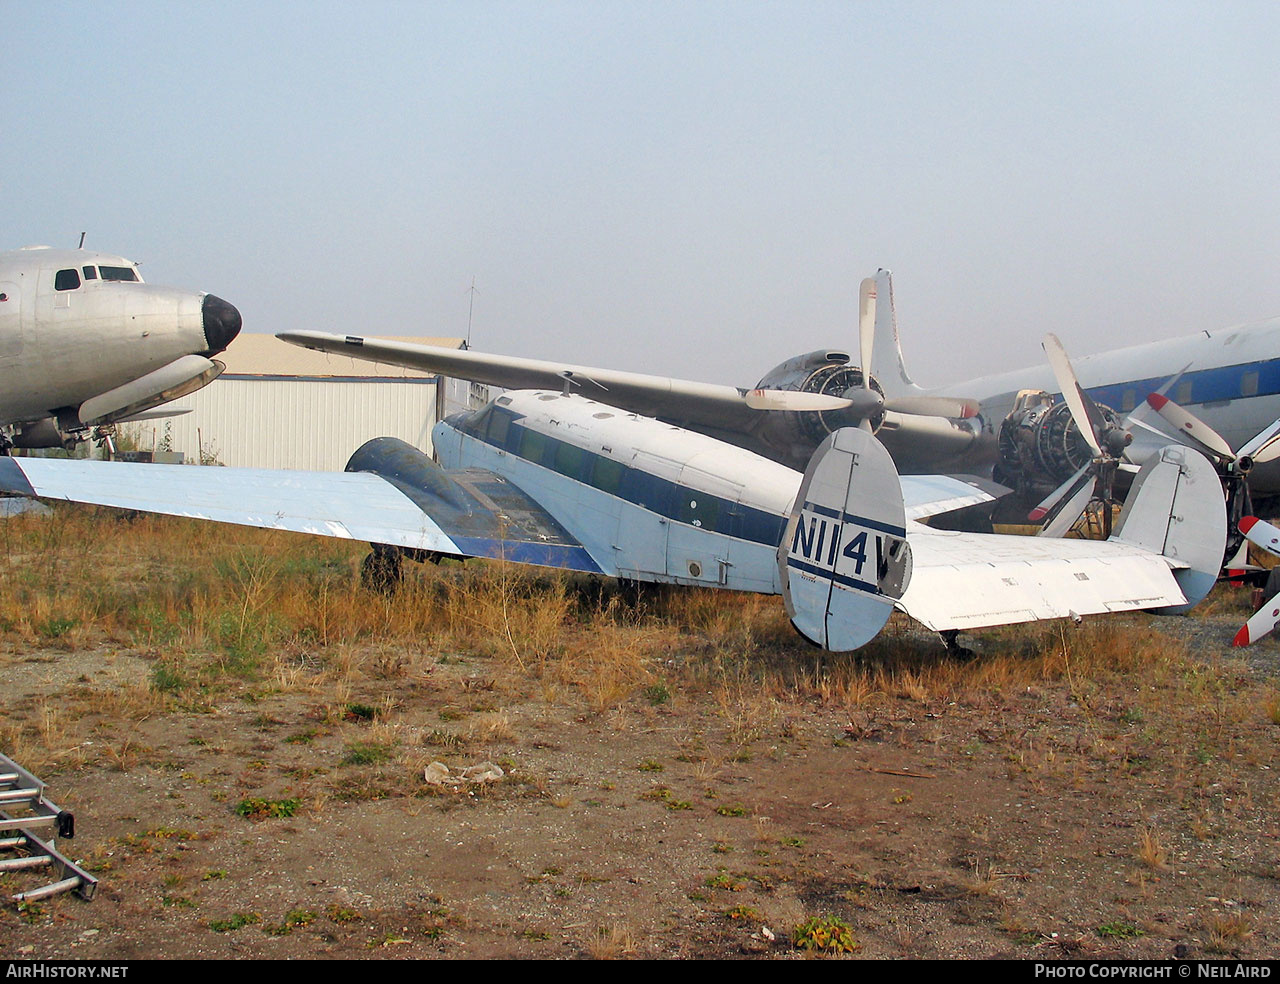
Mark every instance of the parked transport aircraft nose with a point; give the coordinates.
(221, 323)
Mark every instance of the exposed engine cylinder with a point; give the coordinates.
(834, 380)
(1040, 445)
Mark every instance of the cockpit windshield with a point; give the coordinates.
(119, 273)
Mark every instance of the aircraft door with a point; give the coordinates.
(705, 507)
(644, 501)
(10, 320)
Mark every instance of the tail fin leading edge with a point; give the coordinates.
(892, 376)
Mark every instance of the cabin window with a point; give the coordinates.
(697, 508)
(1249, 384)
(533, 445)
(66, 280)
(647, 490)
(90, 273)
(1183, 393)
(119, 273)
(474, 424)
(569, 460)
(606, 474)
(498, 426)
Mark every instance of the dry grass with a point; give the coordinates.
(611, 942)
(1228, 930)
(224, 611)
(1151, 850)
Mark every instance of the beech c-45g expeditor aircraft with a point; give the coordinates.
(85, 344)
(557, 480)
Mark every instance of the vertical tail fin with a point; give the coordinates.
(844, 556)
(1176, 508)
(888, 366)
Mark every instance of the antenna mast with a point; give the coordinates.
(470, 308)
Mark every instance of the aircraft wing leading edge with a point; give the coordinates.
(710, 404)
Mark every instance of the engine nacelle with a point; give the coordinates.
(828, 372)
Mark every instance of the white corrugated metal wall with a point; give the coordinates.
(304, 423)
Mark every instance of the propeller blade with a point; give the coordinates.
(1263, 446)
(1263, 621)
(867, 327)
(1072, 507)
(933, 406)
(763, 399)
(1089, 424)
(1053, 498)
(1189, 425)
(1263, 534)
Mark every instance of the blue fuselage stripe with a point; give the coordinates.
(844, 517)
(829, 575)
(1206, 385)
(502, 429)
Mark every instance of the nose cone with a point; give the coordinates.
(221, 323)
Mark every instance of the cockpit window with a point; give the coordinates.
(66, 280)
(90, 273)
(119, 273)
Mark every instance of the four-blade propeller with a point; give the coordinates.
(1096, 478)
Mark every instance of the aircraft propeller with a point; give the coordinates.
(1233, 466)
(1267, 617)
(1095, 480)
(1262, 447)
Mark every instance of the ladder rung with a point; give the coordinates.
(41, 820)
(53, 889)
(9, 795)
(18, 864)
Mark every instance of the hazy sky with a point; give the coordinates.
(688, 188)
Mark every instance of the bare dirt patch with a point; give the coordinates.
(243, 734)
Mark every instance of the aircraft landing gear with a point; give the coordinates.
(954, 649)
(380, 571)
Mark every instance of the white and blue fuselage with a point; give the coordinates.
(647, 500)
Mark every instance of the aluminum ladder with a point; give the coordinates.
(29, 825)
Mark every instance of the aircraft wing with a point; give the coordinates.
(472, 513)
(932, 495)
(712, 405)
